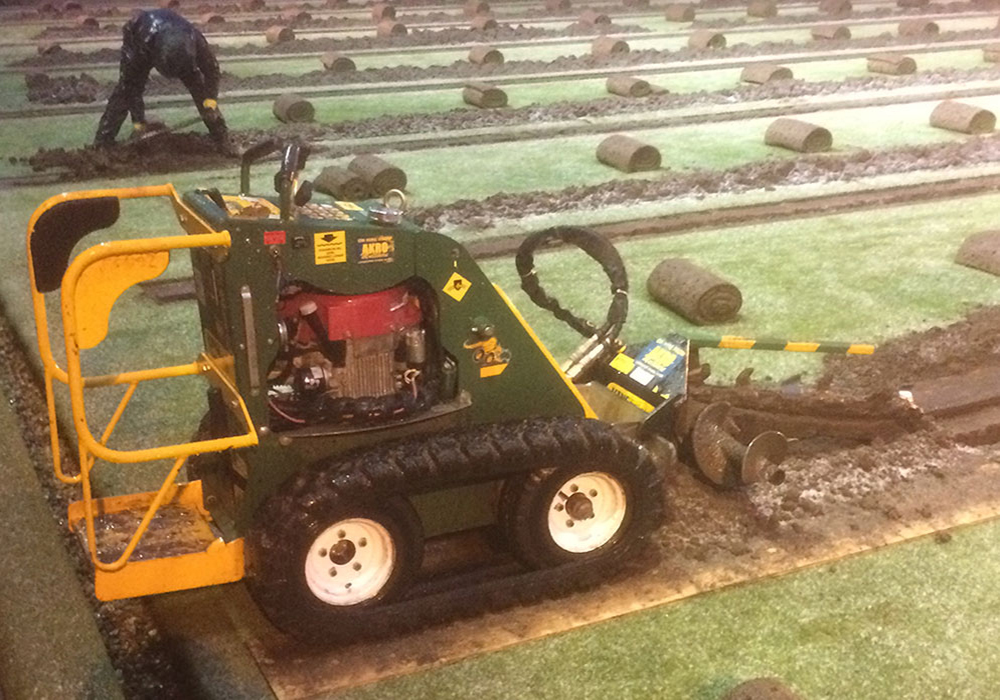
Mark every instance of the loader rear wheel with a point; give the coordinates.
(318, 565)
(593, 510)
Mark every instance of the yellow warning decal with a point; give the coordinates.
(631, 398)
(348, 206)
(330, 247)
(623, 363)
(456, 286)
(251, 206)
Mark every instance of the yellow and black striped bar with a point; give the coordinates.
(735, 342)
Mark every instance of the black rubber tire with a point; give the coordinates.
(279, 543)
(525, 500)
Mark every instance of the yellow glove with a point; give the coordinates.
(139, 126)
(210, 104)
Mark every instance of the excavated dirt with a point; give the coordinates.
(63, 89)
(753, 176)
(64, 57)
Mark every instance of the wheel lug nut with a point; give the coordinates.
(362, 542)
(333, 571)
(592, 492)
(569, 523)
(357, 566)
(341, 534)
(559, 507)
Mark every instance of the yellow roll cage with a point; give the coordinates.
(89, 287)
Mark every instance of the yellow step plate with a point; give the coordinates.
(179, 550)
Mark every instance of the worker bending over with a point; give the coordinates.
(164, 40)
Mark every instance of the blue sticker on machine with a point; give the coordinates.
(661, 366)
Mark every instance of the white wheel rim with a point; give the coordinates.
(586, 512)
(350, 561)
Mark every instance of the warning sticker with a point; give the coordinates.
(348, 206)
(330, 247)
(456, 286)
(376, 249)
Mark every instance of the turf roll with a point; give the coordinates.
(279, 33)
(593, 18)
(294, 16)
(697, 294)
(799, 136)
(628, 86)
(891, 64)
(71, 7)
(608, 46)
(911, 4)
(343, 184)
(761, 73)
(628, 154)
(557, 5)
(962, 117)
(383, 11)
(88, 22)
(679, 12)
(484, 95)
(252, 5)
(762, 8)
(918, 27)
(707, 39)
(483, 23)
(212, 18)
(380, 175)
(981, 251)
(47, 48)
(991, 53)
(765, 688)
(831, 32)
(483, 55)
(292, 109)
(472, 8)
(390, 27)
(337, 62)
(837, 8)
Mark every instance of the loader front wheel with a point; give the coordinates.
(593, 511)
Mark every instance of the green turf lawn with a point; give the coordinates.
(916, 621)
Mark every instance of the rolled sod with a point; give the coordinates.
(382, 11)
(485, 56)
(912, 3)
(483, 23)
(707, 39)
(628, 86)
(46, 48)
(342, 184)
(762, 73)
(380, 175)
(981, 251)
(476, 7)
(836, 7)
(799, 136)
(608, 46)
(337, 62)
(628, 154)
(918, 27)
(70, 7)
(212, 18)
(762, 8)
(252, 5)
(964, 118)
(88, 22)
(831, 32)
(762, 689)
(594, 18)
(390, 27)
(697, 294)
(484, 95)
(292, 109)
(557, 5)
(891, 64)
(279, 33)
(991, 53)
(679, 12)
(296, 16)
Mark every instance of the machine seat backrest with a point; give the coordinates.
(60, 228)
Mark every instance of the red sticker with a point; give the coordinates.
(274, 237)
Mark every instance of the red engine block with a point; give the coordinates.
(355, 316)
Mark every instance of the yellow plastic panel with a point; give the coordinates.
(102, 282)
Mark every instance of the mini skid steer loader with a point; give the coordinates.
(372, 400)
